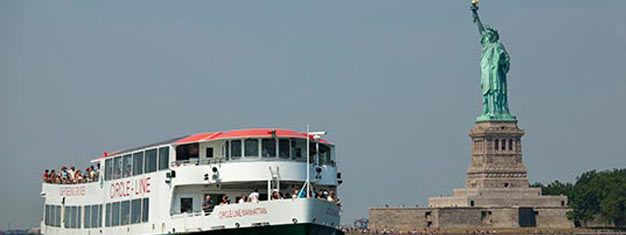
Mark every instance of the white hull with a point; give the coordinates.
(232, 216)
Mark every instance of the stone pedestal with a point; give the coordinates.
(497, 175)
(496, 156)
(497, 194)
(497, 183)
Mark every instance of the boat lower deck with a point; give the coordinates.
(291, 229)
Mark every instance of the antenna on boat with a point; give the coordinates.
(317, 135)
(308, 184)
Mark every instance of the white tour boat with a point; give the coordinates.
(162, 188)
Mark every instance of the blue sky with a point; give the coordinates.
(395, 83)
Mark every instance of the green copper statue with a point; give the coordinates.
(494, 65)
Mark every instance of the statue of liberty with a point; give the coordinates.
(494, 65)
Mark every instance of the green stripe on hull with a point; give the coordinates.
(291, 229)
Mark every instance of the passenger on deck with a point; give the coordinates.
(52, 178)
(243, 198)
(276, 195)
(46, 176)
(224, 200)
(302, 193)
(332, 198)
(93, 174)
(295, 193)
(64, 177)
(87, 176)
(78, 177)
(320, 194)
(206, 205)
(254, 196)
(71, 174)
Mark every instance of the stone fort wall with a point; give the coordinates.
(406, 219)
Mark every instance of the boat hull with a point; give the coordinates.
(291, 229)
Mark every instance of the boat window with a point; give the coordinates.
(251, 147)
(95, 209)
(186, 152)
(268, 147)
(138, 163)
(186, 205)
(164, 158)
(87, 217)
(78, 217)
(107, 169)
(52, 220)
(51, 215)
(283, 148)
(127, 169)
(46, 215)
(117, 167)
(57, 217)
(136, 211)
(324, 154)
(107, 218)
(312, 152)
(298, 148)
(226, 150)
(209, 152)
(115, 214)
(96, 216)
(125, 213)
(151, 160)
(146, 209)
(91, 218)
(235, 149)
(74, 217)
(66, 217)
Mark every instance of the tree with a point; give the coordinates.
(555, 188)
(595, 195)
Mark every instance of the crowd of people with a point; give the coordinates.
(71, 175)
(207, 206)
(322, 194)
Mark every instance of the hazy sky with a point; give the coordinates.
(395, 83)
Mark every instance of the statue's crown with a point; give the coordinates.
(492, 31)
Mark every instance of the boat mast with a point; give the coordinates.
(307, 163)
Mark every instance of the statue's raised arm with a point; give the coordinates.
(474, 8)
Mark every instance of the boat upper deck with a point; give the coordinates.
(247, 145)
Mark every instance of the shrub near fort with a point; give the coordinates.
(596, 196)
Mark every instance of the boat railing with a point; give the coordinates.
(188, 214)
(197, 162)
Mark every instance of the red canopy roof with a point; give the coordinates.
(234, 134)
(239, 134)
